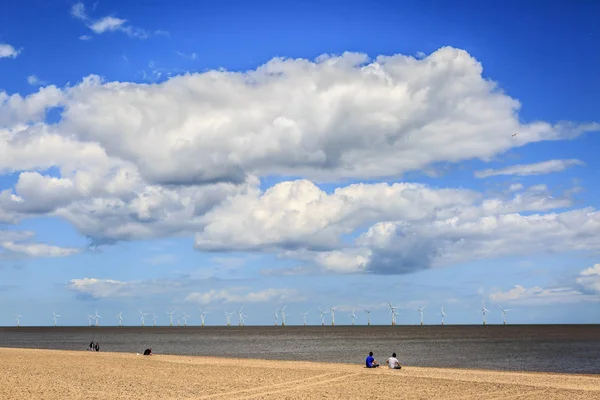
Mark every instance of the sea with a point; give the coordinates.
(541, 348)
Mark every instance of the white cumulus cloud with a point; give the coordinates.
(8, 51)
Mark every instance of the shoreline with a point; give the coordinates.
(293, 362)
(60, 374)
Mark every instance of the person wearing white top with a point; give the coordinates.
(393, 362)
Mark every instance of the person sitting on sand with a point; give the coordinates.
(91, 346)
(148, 352)
(371, 362)
(393, 362)
(97, 346)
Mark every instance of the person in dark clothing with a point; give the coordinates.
(97, 346)
(91, 346)
(148, 352)
(371, 362)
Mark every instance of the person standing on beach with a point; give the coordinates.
(393, 362)
(371, 362)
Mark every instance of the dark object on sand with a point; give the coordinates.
(148, 352)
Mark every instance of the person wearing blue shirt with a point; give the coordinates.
(371, 362)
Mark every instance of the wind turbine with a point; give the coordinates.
(120, 316)
(420, 310)
(503, 314)
(178, 321)
(368, 317)
(333, 314)
(304, 316)
(202, 315)
(393, 312)
(18, 320)
(283, 315)
(97, 317)
(240, 317)
(353, 316)
(443, 314)
(170, 314)
(56, 316)
(276, 317)
(228, 316)
(154, 318)
(484, 311)
(185, 317)
(143, 316)
(322, 316)
(90, 318)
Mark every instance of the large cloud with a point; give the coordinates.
(413, 226)
(127, 161)
(339, 117)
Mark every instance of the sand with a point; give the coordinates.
(57, 374)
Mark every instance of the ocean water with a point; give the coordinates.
(550, 348)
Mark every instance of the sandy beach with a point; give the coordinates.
(56, 374)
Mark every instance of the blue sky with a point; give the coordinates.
(184, 154)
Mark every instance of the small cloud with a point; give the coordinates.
(78, 11)
(541, 168)
(39, 249)
(540, 296)
(233, 296)
(421, 55)
(590, 279)
(191, 56)
(107, 24)
(7, 51)
(35, 81)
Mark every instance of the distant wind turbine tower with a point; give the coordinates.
(503, 314)
(484, 311)
(332, 309)
(322, 316)
(120, 317)
(170, 314)
(202, 315)
(154, 318)
(283, 315)
(97, 318)
(56, 316)
(353, 316)
(143, 316)
(393, 313)
(276, 317)
(228, 317)
(368, 317)
(18, 320)
(185, 317)
(443, 314)
(304, 316)
(240, 317)
(420, 310)
(90, 318)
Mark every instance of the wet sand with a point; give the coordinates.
(58, 374)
